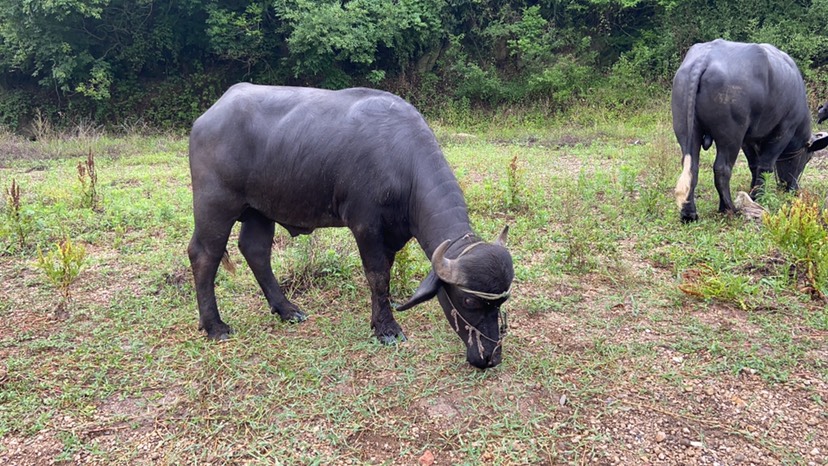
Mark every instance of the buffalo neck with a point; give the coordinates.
(438, 208)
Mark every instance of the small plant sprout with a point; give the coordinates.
(88, 177)
(62, 267)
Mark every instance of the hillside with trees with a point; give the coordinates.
(164, 61)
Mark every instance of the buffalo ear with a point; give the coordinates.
(502, 237)
(427, 290)
(818, 141)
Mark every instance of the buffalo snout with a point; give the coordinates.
(485, 360)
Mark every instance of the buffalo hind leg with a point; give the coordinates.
(255, 243)
(207, 247)
(377, 259)
(686, 184)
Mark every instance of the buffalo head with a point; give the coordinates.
(822, 113)
(789, 167)
(471, 279)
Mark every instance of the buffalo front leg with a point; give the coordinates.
(722, 171)
(255, 243)
(377, 260)
(207, 246)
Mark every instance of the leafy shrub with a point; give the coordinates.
(62, 266)
(800, 230)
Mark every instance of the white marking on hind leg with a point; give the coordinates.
(683, 185)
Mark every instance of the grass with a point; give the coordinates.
(603, 348)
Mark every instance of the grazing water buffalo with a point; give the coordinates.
(357, 158)
(748, 96)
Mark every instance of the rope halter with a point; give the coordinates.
(476, 337)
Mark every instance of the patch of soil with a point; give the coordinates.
(39, 450)
(723, 420)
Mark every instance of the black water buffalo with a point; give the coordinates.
(358, 158)
(748, 96)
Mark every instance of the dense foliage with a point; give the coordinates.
(163, 61)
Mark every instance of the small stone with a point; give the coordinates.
(427, 459)
(660, 437)
(812, 421)
(562, 401)
(678, 359)
(709, 391)
(696, 444)
(815, 452)
(688, 388)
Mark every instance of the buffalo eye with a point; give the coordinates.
(472, 303)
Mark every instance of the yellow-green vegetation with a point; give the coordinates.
(800, 229)
(62, 265)
(634, 339)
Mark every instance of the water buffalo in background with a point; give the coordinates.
(358, 158)
(822, 113)
(748, 96)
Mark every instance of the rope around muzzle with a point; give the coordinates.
(475, 335)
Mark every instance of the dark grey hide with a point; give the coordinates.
(740, 96)
(357, 158)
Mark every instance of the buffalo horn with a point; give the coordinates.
(447, 269)
(501, 238)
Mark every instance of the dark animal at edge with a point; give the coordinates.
(822, 113)
(357, 158)
(748, 96)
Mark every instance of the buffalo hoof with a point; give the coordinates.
(293, 316)
(391, 340)
(219, 332)
(689, 217)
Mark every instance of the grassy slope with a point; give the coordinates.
(605, 351)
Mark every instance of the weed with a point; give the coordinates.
(405, 271)
(584, 240)
(62, 267)
(706, 283)
(771, 196)
(41, 127)
(88, 177)
(800, 230)
(515, 186)
(17, 220)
